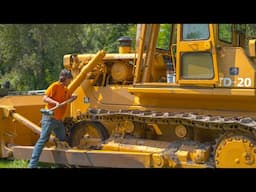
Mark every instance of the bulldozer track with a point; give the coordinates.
(227, 127)
(233, 124)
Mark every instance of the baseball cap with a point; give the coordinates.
(65, 74)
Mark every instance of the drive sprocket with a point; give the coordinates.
(235, 151)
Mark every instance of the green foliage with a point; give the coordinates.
(225, 32)
(132, 34)
(193, 35)
(4, 163)
(250, 30)
(13, 164)
(164, 36)
(195, 31)
(15, 79)
(31, 55)
(103, 36)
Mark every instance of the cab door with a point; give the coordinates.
(196, 60)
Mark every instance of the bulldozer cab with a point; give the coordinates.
(196, 54)
(192, 54)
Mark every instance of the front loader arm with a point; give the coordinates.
(85, 70)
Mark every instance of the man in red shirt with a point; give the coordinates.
(55, 94)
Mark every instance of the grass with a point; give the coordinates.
(4, 163)
(13, 163)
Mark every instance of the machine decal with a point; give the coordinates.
(233, 71)
(240, 82)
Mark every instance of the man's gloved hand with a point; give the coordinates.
(74, 96)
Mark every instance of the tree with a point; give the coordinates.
(31, 55)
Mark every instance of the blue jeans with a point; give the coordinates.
(48, 125)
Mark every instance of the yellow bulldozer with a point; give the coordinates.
(191, 104)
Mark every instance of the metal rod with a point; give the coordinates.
(35, 128)
(87, 68)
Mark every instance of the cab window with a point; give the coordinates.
(195, 32)
(163, 41)
(225, 33)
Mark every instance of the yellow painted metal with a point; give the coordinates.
(91, 158)
(150, 52)
(192, 165)
(181, 131)
(200, 155)
(87, 68)
(107, 158)
(75, 62)
(236, 152)
(197, 156)
(11, 130)
(114, 146)
(35, 128)
(158, 161)
(126, 127)
(124, 49)
(227, 57)
(142, 36)
(20, 122)
(158, 88)
(121, 72)
(158, 70)
(252, 51)
(183, 156)
(82, 102)
(100, 96)
(196, 46)
(219, 101)
(156, 128)
(7, 110)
